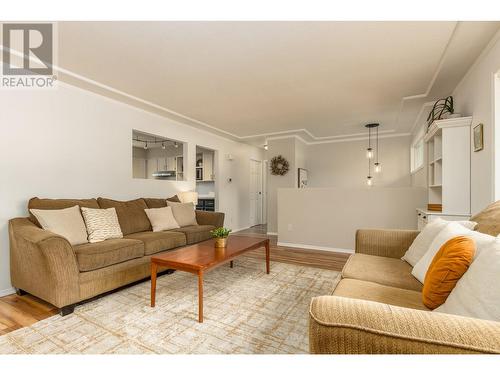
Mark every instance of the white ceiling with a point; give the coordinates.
(320, 80)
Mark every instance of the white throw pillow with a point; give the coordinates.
(102, 224)
(67, 222)
(184, 213)
(451, 230)
(161, 218)
(476, 293)
(424, 239)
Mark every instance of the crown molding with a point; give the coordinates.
(302, 134)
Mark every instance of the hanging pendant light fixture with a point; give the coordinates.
(370, 153)
(378, 167)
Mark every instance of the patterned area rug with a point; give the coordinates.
(245, 311)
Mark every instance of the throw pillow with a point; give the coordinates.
(452, 229)
(447, 267)
(424, 239)
(488, 220)
(476, 293)
(184, 213)
(67, 222)
(102, 224)
(131, 215)
(161, 218)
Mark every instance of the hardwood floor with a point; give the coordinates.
(22, 311)
(313, 258)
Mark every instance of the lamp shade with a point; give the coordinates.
(188, 197)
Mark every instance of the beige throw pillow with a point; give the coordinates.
(476, 293)
(424, 239)
(67, 222)
(184, 213)
(102, 224)
(161, 218)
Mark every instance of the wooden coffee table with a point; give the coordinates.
(204, 256)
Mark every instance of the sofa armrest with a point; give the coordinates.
(351, 326)
(210, 218)
(391, 243)
(43, 263)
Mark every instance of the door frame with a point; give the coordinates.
(260, 219)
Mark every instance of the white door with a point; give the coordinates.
(255, 192)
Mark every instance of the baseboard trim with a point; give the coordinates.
(239, 229)
(315, 247)
(6, 292)
(272, 233)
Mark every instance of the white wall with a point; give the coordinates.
(475, 96)
(328, 218)
(70, 143)
(286, 148)
(344, 164)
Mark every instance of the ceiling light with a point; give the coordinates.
(163, 145)
(370, 153)
(176, 145)
(146, 146)
(369, 181)
(266, 147)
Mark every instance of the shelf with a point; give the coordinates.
(205, 180)
(436, 186)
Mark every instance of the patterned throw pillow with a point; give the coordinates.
(102, 224)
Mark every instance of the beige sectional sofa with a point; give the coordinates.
(47, 266)
(377, 306)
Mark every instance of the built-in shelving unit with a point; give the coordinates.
(448, 165)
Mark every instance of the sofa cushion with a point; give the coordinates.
(488, 220)
(154, 242)
(57, 204)
(131, 214)
(196, 233)
(381, 270)
(92, 256)
(160, 202)
(66, 222)
(367, 290)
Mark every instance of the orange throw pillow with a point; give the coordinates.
(447, 267)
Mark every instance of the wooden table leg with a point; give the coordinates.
(200, 296)
(153, 283)
(231, 264)
(267, 256)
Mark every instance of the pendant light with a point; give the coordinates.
(378, 167)
(370, 154)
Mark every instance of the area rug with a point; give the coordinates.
(245, 311)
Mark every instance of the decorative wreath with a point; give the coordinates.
(279, 165)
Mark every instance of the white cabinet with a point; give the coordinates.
(208, 166)
(448, 168)
(425, 216)
(205, 166)
(171, 163)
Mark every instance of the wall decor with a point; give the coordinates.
(279, 166)
(478, 137)
(302, 180)
(441, 109)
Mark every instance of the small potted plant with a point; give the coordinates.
(220, 235)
